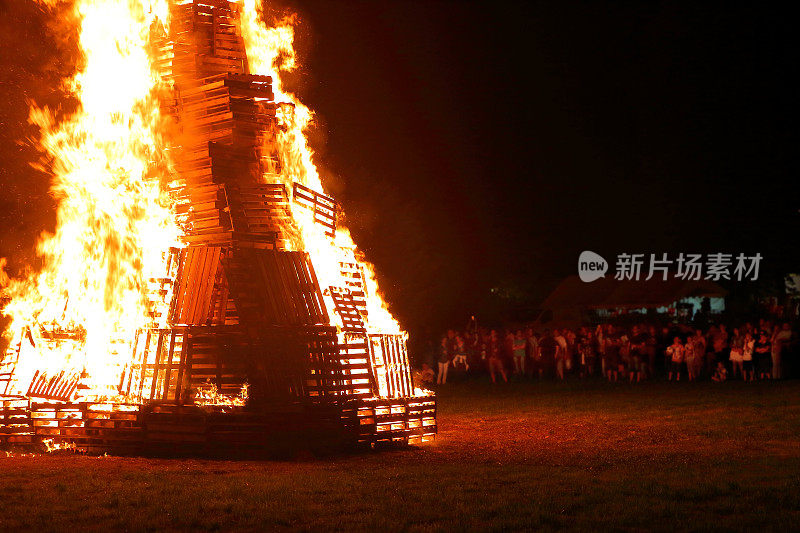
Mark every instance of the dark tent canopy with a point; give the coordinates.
(573, 296)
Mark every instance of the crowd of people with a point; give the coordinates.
(640, 352)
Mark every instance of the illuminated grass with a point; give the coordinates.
(541, 455)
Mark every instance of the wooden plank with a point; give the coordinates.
(157, 364)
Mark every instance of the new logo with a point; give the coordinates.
(591, 266)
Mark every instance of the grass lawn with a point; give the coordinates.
(657, 456)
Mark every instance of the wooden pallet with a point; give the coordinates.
(404, 420)
(59, 386)
(98, 428)
(274, 288)
(89, 427)
(201, 294)
(220, 358)
(348, 310)
(259, 208)
(353, 274)
(16, 427)
(7, 368)
(158, 371)
(323, 206)
(390, 361)
(356, 366)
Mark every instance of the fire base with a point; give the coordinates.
(170, 429)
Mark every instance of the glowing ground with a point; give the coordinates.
(549, 456)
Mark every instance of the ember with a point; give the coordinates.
(200, 288)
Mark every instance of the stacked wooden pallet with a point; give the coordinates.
(227, 121)
(89, 427)
(200, 296)
(259, 209)
(16, 427)
(206, 38)
(218, 357)
(358, 380)
(7, 367)
(402, 420)
(160, 288)
(227, 145)
(98, 428)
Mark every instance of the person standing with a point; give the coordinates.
(624, 355)
(638, 353)
(690, 358)
(443, 361)
(701, 362)
(612, 357)
(561, 353)
(747, 357)
(651, 344)
(460, 356)
(518, 352)
(664, 343)
(698, 342)
(737, 345)
(780, 341)
(585, 356)
(675, 353)
(495, 357)
(548, 350)
(600, 343)
(533, 353)
(763, 355)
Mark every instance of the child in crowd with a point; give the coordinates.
(721, 374)
(460, 355)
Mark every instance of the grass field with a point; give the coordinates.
(657, 456)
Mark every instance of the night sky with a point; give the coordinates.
(485, 144)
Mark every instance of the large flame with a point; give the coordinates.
(270, 52)
(114, 224)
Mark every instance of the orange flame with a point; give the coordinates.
(114, 224)
(270, 52)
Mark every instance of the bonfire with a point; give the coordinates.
(200, 287)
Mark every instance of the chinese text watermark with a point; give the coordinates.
(685, 266)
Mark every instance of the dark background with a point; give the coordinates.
(483, 145)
